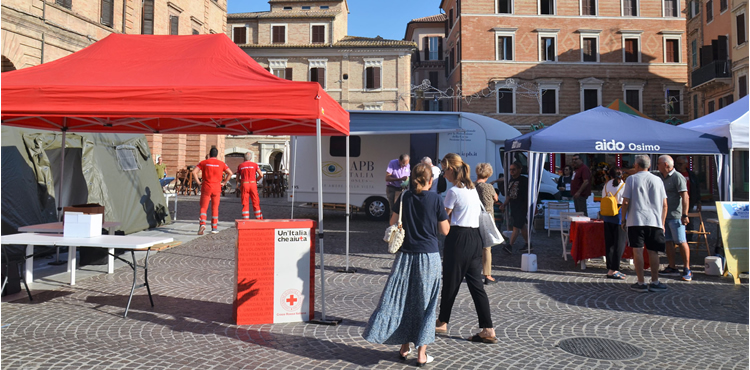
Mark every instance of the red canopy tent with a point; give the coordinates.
(198, 84)
(201, 84)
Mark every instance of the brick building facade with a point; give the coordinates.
(40, 31)
(566, 56)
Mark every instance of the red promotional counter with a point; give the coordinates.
(275, 273)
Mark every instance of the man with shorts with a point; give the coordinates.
(213, 171)
(644, 211)
(677, 200)
(518, 195)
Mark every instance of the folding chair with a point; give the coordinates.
(701, 233)
(555, 207)
(565, 230)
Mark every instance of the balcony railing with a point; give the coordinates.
(711, 71)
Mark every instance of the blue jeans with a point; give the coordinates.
(674, 231)
(165, 181)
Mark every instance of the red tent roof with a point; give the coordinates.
(198, 84)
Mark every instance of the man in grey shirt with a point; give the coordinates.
(644, 210)
(675, 186)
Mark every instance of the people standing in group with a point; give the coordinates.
(407, 309)
(488, 197)
(435, 172)
(462, 254)
(563, 182)
(213, 180)
(694, 190)
(161, 173)
(615, 239)
(675, 186)
(396, 174)
(517, 198)
(644, 212)
(580, 185)
(248, 173)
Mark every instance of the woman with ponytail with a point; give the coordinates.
(462, 255)
(614, 237)
(408, 306)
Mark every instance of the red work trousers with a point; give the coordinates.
(214, 196)
(250, 194)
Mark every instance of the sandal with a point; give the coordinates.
(479, 339)
(441, 331)
(617, 275)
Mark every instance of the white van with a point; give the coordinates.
(376, 138)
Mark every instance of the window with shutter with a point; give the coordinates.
(318, 34)
(504, 48)
(589, 49)
(588, 7)
(108, 14)
(434, 79)
(694, 53)
(450, 20)
(376, 77)
(548, 49)
(147, 21)
(673, 51)
(549, 101)
(434, 48)
(279, 35)
(288, 74)
(65, 3)
(741, 39)
(695, 106)
(372, 76)
(439, 48)
(318, 75)
(674, 106)
(505, 101)
(742, 82)
(630, 8)
(239, 34)
(426, 45)
(723, 5)
(709, 11)
(711, 106)
(174, 23)
(631, 50)
(453, 58)
(633, 99)
(670, 8)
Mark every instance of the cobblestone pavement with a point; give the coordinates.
(698, 325)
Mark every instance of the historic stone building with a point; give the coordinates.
(530, 61)
(427, 62)
(303, 40)
(40, 31)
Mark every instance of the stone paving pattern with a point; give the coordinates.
(702, 324)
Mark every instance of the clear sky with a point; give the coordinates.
(369, 18)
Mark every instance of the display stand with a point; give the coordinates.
(275, 273)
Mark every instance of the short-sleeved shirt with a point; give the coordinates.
(213, 170)
(394, 169)
(161, 169)
(247, 171)
(645, 194)
(616, 191)
(465, 206)
(435, 176)
(518, 193)
(422, 212)
(486, 195)
(674, 184)
(580, 175)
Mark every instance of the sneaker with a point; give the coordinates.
(669, 271)
(657, 287)
(201, 230)
(214, 231)
(507, 248)
(687, 275)
(641, 288)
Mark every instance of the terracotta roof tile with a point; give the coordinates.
(432, 18)
(286, 14)
(346, 42)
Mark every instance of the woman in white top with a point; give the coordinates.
(462, 255)
(614, 238)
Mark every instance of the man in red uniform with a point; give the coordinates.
(211, 184)
(248, 173)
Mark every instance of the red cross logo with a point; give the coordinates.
(291, 300)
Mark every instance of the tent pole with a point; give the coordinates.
(730, 160)
(292, 172)
(62, 171)
(348, 209)
(323, 320)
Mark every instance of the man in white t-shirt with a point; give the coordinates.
(435, 173)
(644, 211)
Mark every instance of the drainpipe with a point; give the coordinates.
(124, 7)
(44, 19)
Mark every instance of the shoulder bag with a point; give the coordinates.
(488, 229)
(395, 233)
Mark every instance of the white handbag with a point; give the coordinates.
(487, 228)
(395, 233)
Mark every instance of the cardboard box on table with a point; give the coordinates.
(275, 271)
(89, 256)
(79, 225)
(88, 209)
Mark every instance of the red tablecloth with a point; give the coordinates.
(587, 238)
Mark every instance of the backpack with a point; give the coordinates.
(608, 206)
(442, 184)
